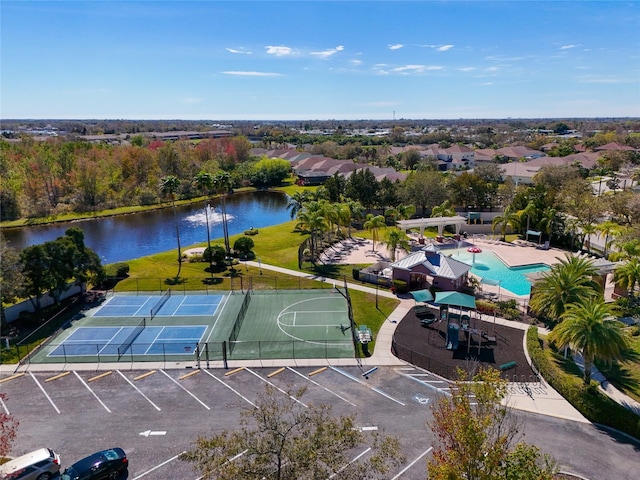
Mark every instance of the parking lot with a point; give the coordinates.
(154, 415)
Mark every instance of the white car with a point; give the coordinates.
(41, 464)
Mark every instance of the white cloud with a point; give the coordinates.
(467, 69)
(252, 74)
(397, 46)
(568, 47)
(279, 51)
(406, 69)
(329, 52)
(233, 50)
(356, 61)
(440, 48)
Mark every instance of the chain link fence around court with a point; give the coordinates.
(216, 285)
(201, 353)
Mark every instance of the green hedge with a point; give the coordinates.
(589, 401)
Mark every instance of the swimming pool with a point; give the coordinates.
(489, 265)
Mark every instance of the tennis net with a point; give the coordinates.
(124, 346)
(239, 319)
(163, 299)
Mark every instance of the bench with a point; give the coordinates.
(508, 365)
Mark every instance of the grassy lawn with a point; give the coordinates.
(625, 376)
(278, 246)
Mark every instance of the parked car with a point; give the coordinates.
(41, 464)
(104, 465)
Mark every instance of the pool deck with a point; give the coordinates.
(513, 254)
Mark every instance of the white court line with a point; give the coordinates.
(354, 460)
(158, 466)
(231, 388)
(191, 394)
(293, 324)
(92, 392)
(146, 352)
(276, 387)
(43, 391)
(139, 391)
(321, 386)
(375, 389)
(224, 302)
(411, 464)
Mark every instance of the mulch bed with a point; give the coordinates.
(426, 347)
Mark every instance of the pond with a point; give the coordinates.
(125, 237)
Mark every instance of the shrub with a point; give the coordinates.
(243, 246)
(118, 270)
(356, 273)
(251, 231)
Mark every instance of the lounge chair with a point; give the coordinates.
(544, 246)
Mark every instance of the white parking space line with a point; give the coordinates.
(187, 391)
(4, 407)
(354, 460)
(92, 392)
(411, 464)
(138, 390)
(412, 376)
(45, 393)
(231, 388)
(157, 466)
(322, 386)
(375, 389)
(276, 387)
(219, 312)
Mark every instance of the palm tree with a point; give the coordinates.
(608, 229)
(222, 184)
(395, 239)
(547, 221)
(626, 250)
(528, 211)
(356, 211)
(587, 229)
(445, 209)
(169, 186)
(627, 275)
(204, 181)
(508, 219)
(297, 201)
(374, 224)
(588, 327)
(312, 220)
(568, 281)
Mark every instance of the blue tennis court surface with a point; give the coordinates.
(153, 340)
(175, 306)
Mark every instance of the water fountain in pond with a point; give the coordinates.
(200, 217)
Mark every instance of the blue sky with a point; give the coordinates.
(307, 60)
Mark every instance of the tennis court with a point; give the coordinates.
(206, 326)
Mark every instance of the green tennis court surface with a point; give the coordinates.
(200, 325)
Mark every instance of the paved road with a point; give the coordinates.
(155, 416)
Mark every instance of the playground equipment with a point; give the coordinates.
(452, 336)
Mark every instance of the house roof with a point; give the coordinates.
(518, 152)
(437, 264)
(614, 146)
